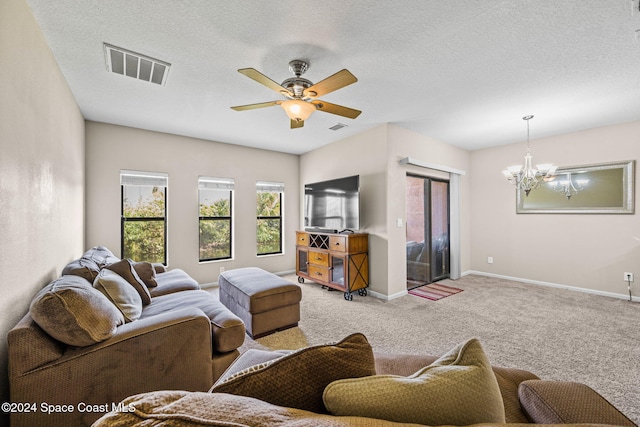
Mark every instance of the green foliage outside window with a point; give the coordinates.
(144, 240)
(215, 230)
(269, 223)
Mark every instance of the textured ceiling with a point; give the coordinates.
(464, 72)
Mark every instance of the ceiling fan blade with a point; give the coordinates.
(340, 110)
(295, 124)
(337, 81)
(254, 106)
(256, 75)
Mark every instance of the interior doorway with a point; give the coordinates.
(427, 227)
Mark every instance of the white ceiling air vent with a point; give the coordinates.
(338, 126)
(142, 67)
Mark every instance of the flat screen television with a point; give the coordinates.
(333, 205)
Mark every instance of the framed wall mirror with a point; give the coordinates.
(605, 188)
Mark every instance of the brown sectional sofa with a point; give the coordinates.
(183, 339)
(338, 385)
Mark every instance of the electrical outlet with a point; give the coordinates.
(490, 260)
(221, 269)
(628, 277)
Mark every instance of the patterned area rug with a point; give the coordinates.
(434, 291)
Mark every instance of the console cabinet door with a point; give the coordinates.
(339, 271)
(302, 261)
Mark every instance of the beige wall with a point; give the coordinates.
(111, 148)
(590, 251)
(406, 143)
(41, 169)
(365, 155)
(374, 155)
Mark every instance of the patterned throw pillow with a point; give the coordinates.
(298, 379)
(459, 388)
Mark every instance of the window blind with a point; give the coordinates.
(270, 187)
(209, 183)
(153, 179)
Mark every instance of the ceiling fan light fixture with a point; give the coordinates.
(297, 109)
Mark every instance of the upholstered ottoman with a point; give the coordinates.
(266, 303)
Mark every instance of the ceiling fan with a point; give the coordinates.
(302, 95)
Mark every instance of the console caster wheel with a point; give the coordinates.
(362, 292)
(300, 279)
(348, 296)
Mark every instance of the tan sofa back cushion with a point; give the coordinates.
(70, 310)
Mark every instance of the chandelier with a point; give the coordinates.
(568, 186)
(527, 178)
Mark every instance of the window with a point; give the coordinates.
(215, 200)
(269, 217)
(143, 227)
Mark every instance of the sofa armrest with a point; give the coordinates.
(559, 402)
(29, 347)
(168, 351)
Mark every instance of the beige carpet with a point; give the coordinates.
(554, 333)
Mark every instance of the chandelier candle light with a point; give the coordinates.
(528, 178)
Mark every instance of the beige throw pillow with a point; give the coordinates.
(459, 388)
(120, 293)
(71, 311)
(298, 379)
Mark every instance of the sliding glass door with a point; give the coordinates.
(427, 230)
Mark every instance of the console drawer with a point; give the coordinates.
(338, 243)
(302, 239)
(318, 258)
(319, 273)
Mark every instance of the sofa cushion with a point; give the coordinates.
(83, 267)
(182, 408)
(560, 402)
(147, 273)
(228, 332)
(298, 379)
(70, 310)
(101, 256)
(459, 388)
(125, 269)
(120, 293)
(174, 280)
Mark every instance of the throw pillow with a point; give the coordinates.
(126, 270)
(120, 293)
(459, 388)
(298, 379)
(83, 267)
(73, 312)
(147, 273)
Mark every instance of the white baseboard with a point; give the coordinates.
(386, 297)
(208, 285)
(553, 285)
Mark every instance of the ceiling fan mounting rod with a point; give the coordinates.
(298, 67)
